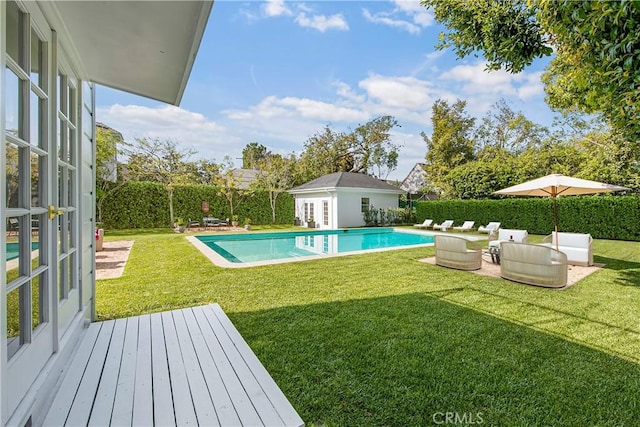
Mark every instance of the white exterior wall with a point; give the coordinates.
(345, 206)
(316, 200)
(349, 205)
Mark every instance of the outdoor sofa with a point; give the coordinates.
(576, 246)
(533, 264)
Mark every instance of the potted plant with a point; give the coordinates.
(311, 223)
(247, 224)
(180, 224)
(234, 220)
(296, 221)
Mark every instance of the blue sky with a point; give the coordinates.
(277, 72)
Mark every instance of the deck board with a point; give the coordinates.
(122, 413)
(183, 367)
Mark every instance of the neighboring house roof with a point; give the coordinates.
(245, 177)
(345, 180)
(142, 47)
(416, 180)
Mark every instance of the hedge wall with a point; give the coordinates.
(604, 217)
(146, 205)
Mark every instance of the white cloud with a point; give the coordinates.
(322, 23)
(404, 92)
(384, 18)
(276, 8)
(187, 128)
(302, 14)
(408, 16)
(299, 108)
(346, 92)
(532, 87)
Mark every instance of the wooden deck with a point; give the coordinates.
(182, 367)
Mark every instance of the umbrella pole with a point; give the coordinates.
(555, 218)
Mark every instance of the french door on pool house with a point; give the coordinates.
(40, 192)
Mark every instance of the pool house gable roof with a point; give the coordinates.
(142, 47)
(345, 180)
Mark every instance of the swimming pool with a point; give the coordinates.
(245, 250)
(13, 250)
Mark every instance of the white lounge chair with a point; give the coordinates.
(447, 224)
(467, 226)
(425, 224)
(492, 226)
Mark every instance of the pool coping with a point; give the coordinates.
(220, 261)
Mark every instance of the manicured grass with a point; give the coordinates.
(382, 339)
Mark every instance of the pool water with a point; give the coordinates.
(13, 250)
(256, 247)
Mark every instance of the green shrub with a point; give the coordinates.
(146, 205)
(604, 216)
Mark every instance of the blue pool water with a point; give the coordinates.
(273, 246)
(12, 250)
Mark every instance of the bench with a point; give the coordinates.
(576, 246)
(533, 264)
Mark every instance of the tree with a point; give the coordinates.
(206, 171)
(368, 150)
(450, 144)
(275, 176)
(504, 129)
(109, 144)
(160, 161)
(596, 43)
(228, 186)
(324, 153)
(372, 149)
(252, 154)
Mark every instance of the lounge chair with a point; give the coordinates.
(447, 224)
(13, 226)
(425, 224)
(533, 264)
(492, 226)
(467, 226)
(452, 252)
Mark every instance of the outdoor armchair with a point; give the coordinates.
(452, 252)
(533, 264)
(508, 235)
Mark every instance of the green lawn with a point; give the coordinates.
(382, 339)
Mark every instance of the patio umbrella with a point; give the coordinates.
(555, 185)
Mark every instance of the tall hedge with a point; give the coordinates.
(604, 216)
(146, 205)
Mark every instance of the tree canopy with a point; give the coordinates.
(471, 162)
(596, 68)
